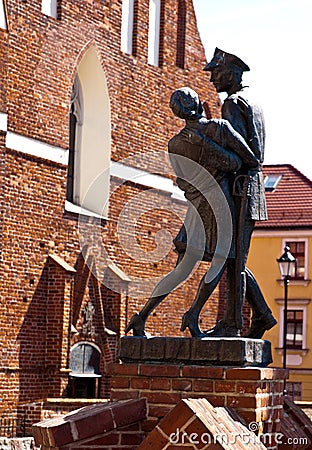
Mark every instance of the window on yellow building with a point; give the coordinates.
(294, 390)
(298, 250)
(294, 337)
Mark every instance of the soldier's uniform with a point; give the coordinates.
(247, 119)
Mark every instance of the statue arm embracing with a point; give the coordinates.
(212, 154)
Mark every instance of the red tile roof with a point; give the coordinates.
(290, 203)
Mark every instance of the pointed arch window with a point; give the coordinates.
(88, 173)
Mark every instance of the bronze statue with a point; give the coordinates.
(215, 146)
(247, 119)
(241, 181)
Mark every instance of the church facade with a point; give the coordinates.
(88, 201)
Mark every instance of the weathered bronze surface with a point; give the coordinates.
(239, 352)
(217, 159)
(246, 117)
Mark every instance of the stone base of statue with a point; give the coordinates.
(239, 352)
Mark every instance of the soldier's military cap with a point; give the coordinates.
(221, 58)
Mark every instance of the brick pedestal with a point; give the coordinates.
(255, 393)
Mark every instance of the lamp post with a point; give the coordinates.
(287, 264)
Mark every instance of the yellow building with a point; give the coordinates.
(289, 202)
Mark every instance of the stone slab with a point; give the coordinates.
(238, 352)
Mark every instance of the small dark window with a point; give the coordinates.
(84, 380)
(84, 387)
(75, 123)
(294, 390)
(181, 30)
(271, 182)
(71, 157)
(135, 28)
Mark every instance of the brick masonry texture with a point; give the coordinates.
(254, 393)
(40, 299)
(39, 58)
(191, 421)
(194, 423)
(114, 425)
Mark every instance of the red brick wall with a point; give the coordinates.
(45, 409)
(39, 58)
(111, 426)
(255, 393)
(44, 54)
(28, 236)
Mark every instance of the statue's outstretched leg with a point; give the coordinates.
(190, 318)
(183, 269)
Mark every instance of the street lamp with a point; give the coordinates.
(287, 265)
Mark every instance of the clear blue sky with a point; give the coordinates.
(274, 38)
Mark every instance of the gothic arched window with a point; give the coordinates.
(88, 172)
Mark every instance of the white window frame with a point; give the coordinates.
(127, 26)
(298, 305)
(154, 32)
(3, 18)
(306, 241)
(49, 8)
(272, 186)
